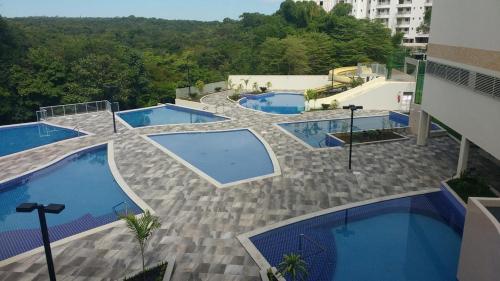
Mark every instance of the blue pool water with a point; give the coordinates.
(77, 181)
(18, 138)
(166, 115)
(413, 238)
(277, 103)
(225, 156)
(315, 133)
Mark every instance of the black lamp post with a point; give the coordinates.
(114, 120)
(42, 209)
(353, 108)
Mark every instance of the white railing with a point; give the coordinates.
(47, 112)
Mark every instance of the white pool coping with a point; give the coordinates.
(261, 260)
(310, 147)
(86, 134)
(114, 171)
(269, 113)
(126, 124)
(270, 152)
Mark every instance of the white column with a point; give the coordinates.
(463, 157)
(424, 125)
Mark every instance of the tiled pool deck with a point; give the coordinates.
(199, 221)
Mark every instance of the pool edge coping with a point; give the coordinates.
(119, 180)
(312, 148)
(128, 126)
(86, 134)
(262, 262)
(270, 152)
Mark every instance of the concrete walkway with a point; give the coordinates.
(200, 222)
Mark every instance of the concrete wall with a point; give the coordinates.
(465, 23)
(376, 94)
(480, 255)
(209, 88)
(282, 82)
(469, 113)
(465, 34)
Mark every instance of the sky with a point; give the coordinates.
(167, 9)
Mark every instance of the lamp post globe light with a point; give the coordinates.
(42, 209)
(353, 108)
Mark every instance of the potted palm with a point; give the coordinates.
(293, 266)
(143, 227)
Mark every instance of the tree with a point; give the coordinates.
(200, 85)
(425, 26)
(142, 228)
(319, 49)
(311, 94)
(342, 9)
(295, 55)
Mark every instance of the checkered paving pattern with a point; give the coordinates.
(200, 222)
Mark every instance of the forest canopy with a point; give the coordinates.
(139, 61)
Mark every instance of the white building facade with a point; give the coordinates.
(399, 15)
(462, 80)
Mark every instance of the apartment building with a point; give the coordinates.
(399, 15)
(462, 80)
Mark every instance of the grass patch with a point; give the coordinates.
(151, 274)
(470, 186)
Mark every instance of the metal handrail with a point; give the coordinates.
(47, 112)
(121, 203)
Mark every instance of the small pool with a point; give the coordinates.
(411, 238)
(315, 133)
(17, 138)
(76, 181)
(222, 157)
(277, 103)
(167, 115)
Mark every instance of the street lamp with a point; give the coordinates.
(353, 108)
(42, 209)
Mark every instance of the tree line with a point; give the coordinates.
(140, 61)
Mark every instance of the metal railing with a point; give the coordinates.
(47, 112)
(475, 81)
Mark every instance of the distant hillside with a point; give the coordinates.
(138, 61)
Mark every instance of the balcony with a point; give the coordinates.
(428, 3)
(404, 3)
(403, 24)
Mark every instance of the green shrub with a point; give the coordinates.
(334, 104)
(468, 185)
(325, 106)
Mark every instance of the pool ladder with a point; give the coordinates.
(118, 205)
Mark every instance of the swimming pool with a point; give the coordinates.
(277, 103)
(17, 138)
(76, 181)
(222, 157)
(409, 238)
(167, 115)
(315, 133)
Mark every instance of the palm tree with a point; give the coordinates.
(142, 228)
(294, 266)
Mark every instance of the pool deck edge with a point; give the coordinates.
(270, 152)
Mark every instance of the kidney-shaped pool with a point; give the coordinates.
(276, 103)
(76, 181)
